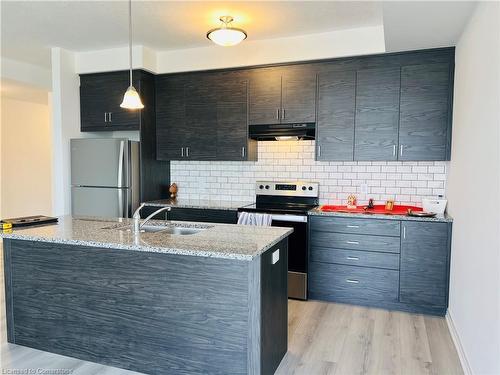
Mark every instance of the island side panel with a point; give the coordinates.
(9, 314)
(274, 307)
(148, 312)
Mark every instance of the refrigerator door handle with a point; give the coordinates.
(120, 203)
(120, 164)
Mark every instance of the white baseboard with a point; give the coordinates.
(458, 345)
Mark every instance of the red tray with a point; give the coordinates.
(377, 209)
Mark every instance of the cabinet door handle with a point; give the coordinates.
(243, 152)
(352, 258)
(283, 113)
(277, 113)
(401, 150)
(404, 232)
(105, 116)
(187, 151)
(352, 281)
(353, 226)
(393, 150)
(109, 116)
(319, 150)
(182, 152)
(353, 242)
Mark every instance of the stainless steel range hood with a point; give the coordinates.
(275, 132)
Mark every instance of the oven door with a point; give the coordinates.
(297, 253)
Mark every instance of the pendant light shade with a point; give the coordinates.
(226, 35)
(131, 99)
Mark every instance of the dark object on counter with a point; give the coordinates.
(370, 203)
(30, 220)
(173, 189)
(420, 213)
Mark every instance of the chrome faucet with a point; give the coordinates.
(137, 217)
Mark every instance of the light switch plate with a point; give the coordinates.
(276, 256)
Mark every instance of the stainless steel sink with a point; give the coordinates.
(167, 229)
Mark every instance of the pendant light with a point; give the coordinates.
(226, 35)
(131, 99)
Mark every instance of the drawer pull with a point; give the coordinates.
(352, 281)
(353, 226)
(353, 242)
(352, 258)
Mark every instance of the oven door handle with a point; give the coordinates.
(290, 218)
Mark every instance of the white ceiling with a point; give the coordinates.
(30, 28)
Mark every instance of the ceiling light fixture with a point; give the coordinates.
(131, 99)
(226, 35)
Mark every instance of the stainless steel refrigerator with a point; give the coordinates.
(104, 177)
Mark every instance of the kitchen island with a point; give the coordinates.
(210, 302)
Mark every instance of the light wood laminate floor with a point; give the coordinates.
(324, 338)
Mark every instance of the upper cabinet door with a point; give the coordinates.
(171, 132)
(424, 263)
(200, 127)
(336, 110)
(232, 124)
(264, 96)
(377, 114)
(425, 116)
(298, 95)
(100, 97)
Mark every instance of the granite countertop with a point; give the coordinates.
(212, 204)
(439, 218)
(230, 241)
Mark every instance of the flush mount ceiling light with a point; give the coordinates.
(226, 35)
(131, 99)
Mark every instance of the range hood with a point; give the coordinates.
(276, 132)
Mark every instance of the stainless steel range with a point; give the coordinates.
(288, 203)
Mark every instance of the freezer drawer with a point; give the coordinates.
(100, 162)
(100, 202)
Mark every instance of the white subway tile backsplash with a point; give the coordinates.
(406, 182)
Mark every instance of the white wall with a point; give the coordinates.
(406, 182)
(473, 191)
(351, 42)
(26, 158)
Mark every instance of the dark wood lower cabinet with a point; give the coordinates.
(149, 312)
(404, 270)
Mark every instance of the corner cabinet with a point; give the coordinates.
(393, 264)
(203, 116)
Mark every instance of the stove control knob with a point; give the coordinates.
(310, 187)
(267, 187)
(261, 187)
(304, 188)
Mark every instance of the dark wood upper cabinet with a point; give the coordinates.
(282, 95)
(264, 96)
(171, 133)
(425, 251)
(298, 95)
(377, 114)
(336, 112)
(100, 97)
(203, 117)
(425, 114)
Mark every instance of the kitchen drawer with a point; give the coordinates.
(334, 282)
(383, 244)
(355, 258)
(356, 226)
(203, 215)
